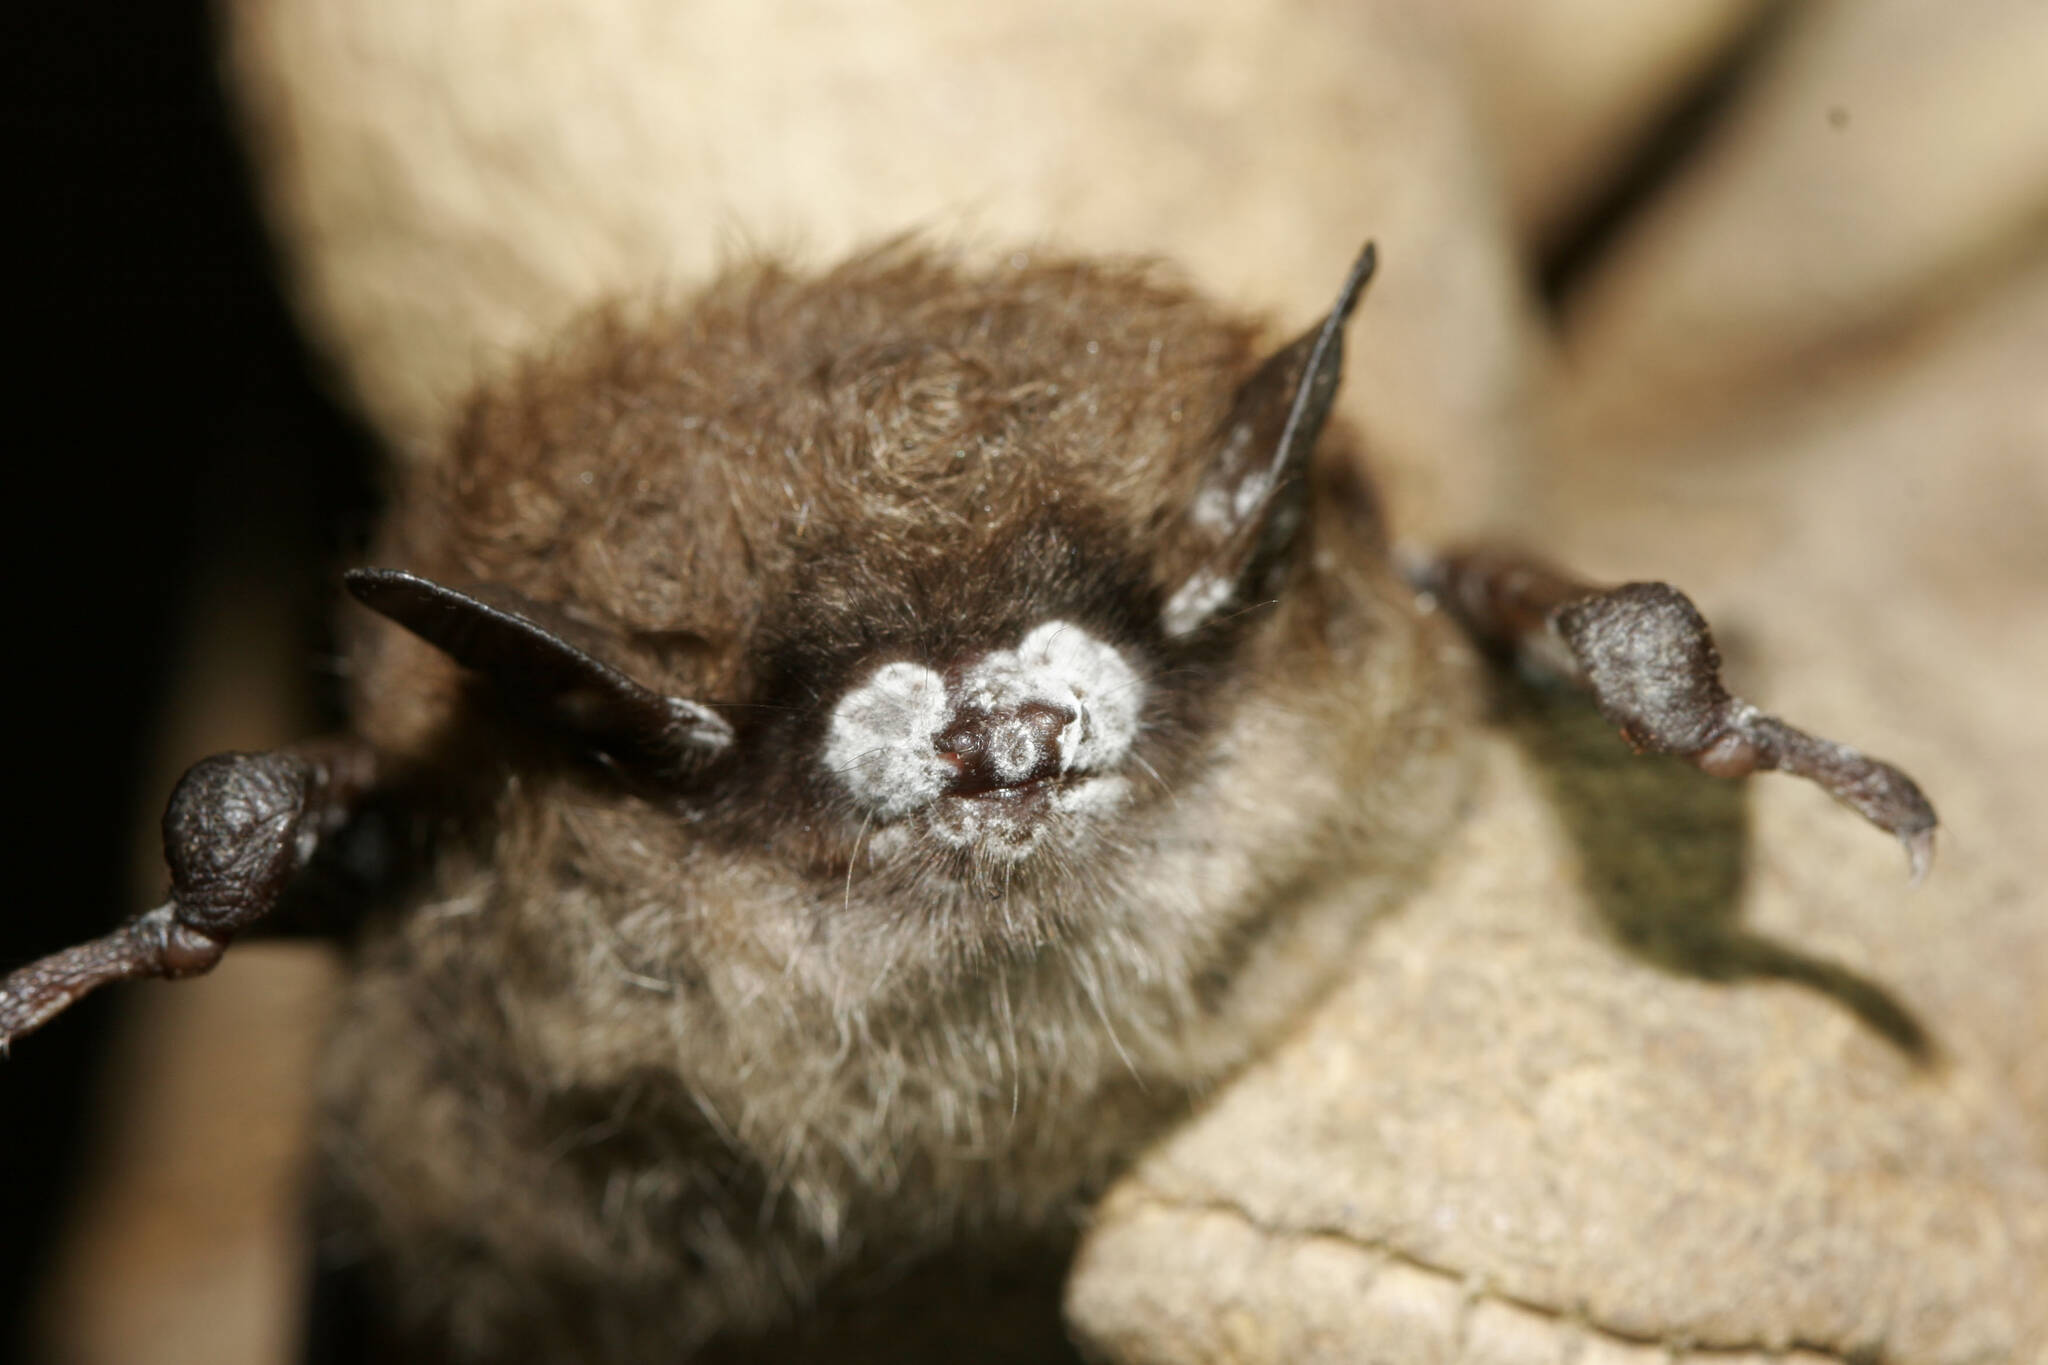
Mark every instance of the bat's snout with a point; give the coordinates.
(1056, 711)
(1009, 747)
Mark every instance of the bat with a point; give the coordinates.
(840, 764)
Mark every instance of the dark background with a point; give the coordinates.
(168, 423)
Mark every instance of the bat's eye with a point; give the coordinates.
(1015, 728)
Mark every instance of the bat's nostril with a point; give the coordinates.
(1005, 748)
(1045, 719)
(965, 741)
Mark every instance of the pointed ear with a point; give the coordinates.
(1254, 495)
(513, 641)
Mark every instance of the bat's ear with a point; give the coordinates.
(1254, 495)
(524, 649)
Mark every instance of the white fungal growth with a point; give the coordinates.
(1201, 597)
(1060, 662)
(881, 743)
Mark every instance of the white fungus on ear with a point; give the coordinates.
(880, 743)
(1198, 599)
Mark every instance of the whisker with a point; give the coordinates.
(1260, 605)
(1091, 988)
(1153, 773)
(846, 905)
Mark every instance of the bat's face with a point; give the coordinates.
(922, 588)
(949, 715)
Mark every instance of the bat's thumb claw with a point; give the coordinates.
(1919, 853)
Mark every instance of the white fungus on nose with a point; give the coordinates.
(1015, 750)
(880, 743)
(881, 740)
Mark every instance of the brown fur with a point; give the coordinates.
(634, 1073)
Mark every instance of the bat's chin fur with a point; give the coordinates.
(1006, 825)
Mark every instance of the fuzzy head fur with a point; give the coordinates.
(1002, 864)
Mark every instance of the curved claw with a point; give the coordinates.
(1919, 853)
